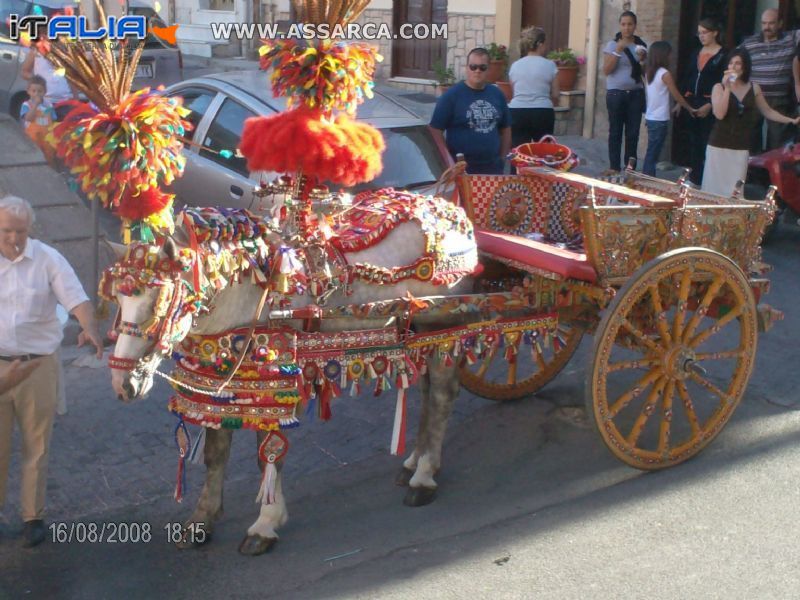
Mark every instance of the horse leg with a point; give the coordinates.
(261, 535)
(216, 452)
(410, 464)
(439, 391)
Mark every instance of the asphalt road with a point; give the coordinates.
(531, 504)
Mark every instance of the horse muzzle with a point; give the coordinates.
(133, 384)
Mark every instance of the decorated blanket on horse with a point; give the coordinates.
(375, 214)
(284, 370)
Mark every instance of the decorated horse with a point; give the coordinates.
(271, 317)
(199, 295)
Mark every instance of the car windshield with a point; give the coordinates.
(411, 159)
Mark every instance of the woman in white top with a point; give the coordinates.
(660, 85)
(535, 87)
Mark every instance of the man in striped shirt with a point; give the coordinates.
(772, 53)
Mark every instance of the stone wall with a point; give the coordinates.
(466, 32)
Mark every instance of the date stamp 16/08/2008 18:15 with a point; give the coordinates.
(80, 532)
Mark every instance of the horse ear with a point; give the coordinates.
(170, 248)
(118, 249)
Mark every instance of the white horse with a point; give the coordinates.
(234, 306)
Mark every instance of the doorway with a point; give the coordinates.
(416, 58)
(550, 15)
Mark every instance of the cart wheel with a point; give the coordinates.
(535, 366)
(672, 358)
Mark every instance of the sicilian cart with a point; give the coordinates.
(269, 317)
(666, 277)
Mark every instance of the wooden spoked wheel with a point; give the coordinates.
(536, 363)
(672, 358)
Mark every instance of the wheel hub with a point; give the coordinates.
(679, 362)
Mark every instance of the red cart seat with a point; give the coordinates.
(539, 255)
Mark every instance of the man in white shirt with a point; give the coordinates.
(34, 278)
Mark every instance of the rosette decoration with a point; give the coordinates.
(121, 147)
(320, 78)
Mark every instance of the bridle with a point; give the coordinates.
(143, 267)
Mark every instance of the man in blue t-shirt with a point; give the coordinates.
(472, 118)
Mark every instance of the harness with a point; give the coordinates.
(143, 267)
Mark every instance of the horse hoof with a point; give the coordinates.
(419, 496)
(403, 477)
(253, 545)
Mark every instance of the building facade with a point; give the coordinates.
(583, 25)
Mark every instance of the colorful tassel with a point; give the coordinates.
(271, 450)
(325, 396)
(399, 430)
(183, 442)
(266, 492)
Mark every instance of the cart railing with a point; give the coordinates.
(622, 227)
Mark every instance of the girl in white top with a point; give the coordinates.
(660, 85)
(535, 87)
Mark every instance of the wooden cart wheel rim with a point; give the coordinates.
(666, 265)
(500, 392)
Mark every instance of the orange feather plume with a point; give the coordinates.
(344, 152)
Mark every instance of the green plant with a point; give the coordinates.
(497, 51)
(444, 75)
(565, 57)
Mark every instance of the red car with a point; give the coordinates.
(781, 168)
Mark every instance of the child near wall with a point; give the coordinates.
(659, 86)
(37, 115)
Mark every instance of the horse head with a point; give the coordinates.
(151, 283)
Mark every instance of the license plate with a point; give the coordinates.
(145, 71)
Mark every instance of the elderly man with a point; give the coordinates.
(772, 53)
(33, 278)
(475, 119)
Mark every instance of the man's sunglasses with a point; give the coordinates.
(478, 67)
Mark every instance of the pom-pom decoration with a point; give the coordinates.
(344, 151)
(148, 211)
(126, 150)
(120, 147)
(325, 74)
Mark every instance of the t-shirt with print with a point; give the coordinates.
(471, 120)
(45, 114)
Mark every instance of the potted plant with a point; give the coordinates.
(498, 62)
(445, 77)
(567, 62)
